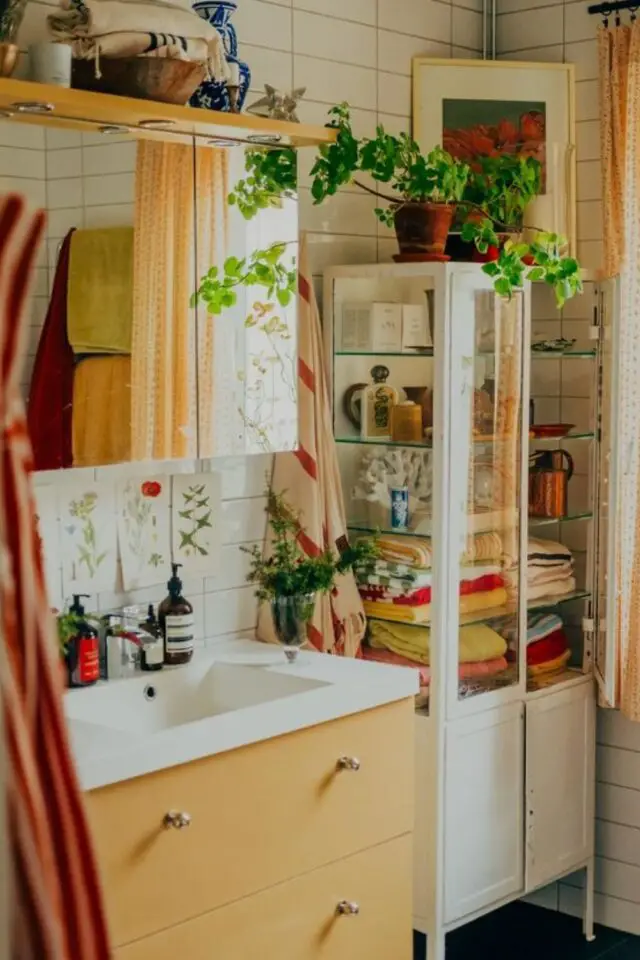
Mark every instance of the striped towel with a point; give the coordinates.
(311, 479)
(56, 905)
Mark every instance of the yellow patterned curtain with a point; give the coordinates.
(619, 50)
(163, 375)
(212, 228)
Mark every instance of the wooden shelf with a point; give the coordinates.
(82, 110)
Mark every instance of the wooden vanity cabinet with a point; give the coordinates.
(299, 845)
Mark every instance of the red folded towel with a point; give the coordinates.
(549, 648)
(492, 581)
(51, 395)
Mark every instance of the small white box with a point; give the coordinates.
(371, 327)
(415, 327)
(386, 327)
(356, 327)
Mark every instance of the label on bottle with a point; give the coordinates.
(153, 652)
(88, 665)
(179, 632)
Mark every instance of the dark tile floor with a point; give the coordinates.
(523, 932)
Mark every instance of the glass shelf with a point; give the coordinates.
(501, 613)
(377, 442)
(562, 354)
(425, 352)
(586, 435)
(545, 521)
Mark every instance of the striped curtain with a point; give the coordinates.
(55, 902)
(310, 481)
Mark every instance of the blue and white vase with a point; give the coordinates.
(213, 94)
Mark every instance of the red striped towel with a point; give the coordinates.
(310, 480)
(56, 903)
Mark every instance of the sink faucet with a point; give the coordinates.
(120, 655)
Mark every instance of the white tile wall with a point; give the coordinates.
(554, 30)
(359, 51)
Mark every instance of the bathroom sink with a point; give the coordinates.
(157, 701)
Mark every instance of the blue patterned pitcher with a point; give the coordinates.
(213, 94)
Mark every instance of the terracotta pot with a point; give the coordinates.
(422, 230)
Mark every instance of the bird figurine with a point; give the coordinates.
(277, 105)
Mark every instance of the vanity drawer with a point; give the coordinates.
(259, 815)
(299, 920)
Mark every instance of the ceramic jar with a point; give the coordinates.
(214, 94)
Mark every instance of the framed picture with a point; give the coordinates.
(477, 108)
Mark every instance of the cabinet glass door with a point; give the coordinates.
(606, 628)
(486, 397)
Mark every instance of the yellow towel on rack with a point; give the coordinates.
(100, 291)
(102, 411)
(478, 642)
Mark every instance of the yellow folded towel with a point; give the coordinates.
(100, 291)
(102, 411)
(404, 613)
(477, 642)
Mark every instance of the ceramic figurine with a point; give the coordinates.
(219, 95)
(278, 106)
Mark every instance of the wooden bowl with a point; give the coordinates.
(147, 78)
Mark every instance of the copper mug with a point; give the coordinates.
(549, 483)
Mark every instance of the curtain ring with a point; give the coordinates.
(634, 12)
(618, 20)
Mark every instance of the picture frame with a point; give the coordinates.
(477, 107)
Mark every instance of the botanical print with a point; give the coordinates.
(490, 128)
(196, 522)
(47, 528)
(88, 537)
(144, 530)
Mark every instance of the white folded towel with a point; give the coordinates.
(94, 20)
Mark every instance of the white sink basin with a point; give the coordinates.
(157, 701)
(242, 693)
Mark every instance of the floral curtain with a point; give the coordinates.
(619, 53)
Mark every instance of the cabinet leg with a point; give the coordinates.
(589, 897)
(435, 945)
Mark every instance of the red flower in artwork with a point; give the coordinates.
(151, 488)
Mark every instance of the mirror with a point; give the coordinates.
(126, 361)
(247, 352)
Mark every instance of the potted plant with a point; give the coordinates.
(290, 580)
(425, 180)
(499, 189)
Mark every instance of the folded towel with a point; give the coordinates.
(539, 626)
(391, 594)
(471, 604)
(96, 19)
(483, 547)
(551, 666)
(550, 648)
(100, 296)
(102, 411)
(466, 671)
(160, 45)
(547, 550)
(478, 643)
(552, 590)
(414, 552)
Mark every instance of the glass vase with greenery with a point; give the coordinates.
(289, 579)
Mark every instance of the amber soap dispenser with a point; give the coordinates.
(175, 616)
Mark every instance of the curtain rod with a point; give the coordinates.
(606, 9)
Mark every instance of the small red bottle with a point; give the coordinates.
(83, 650)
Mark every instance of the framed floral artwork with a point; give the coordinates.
(196, 522)
(88, 541)
(477, 108)
(144, 530)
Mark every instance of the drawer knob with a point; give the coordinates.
(177, 819)
(348, 763)
(347, 908)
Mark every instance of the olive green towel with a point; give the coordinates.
(100, 291)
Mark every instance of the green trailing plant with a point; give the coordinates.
(264, 268)
(289, 572)
(499, 190)
(502, 188)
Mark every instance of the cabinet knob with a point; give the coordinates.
(176, 819)
(346, 908)
(348, 763)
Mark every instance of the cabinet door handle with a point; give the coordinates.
(176, 819)
(348, 763)
(347, 908)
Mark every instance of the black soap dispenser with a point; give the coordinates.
(83, 648)
(175, 615)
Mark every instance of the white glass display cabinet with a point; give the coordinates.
(473, 452)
